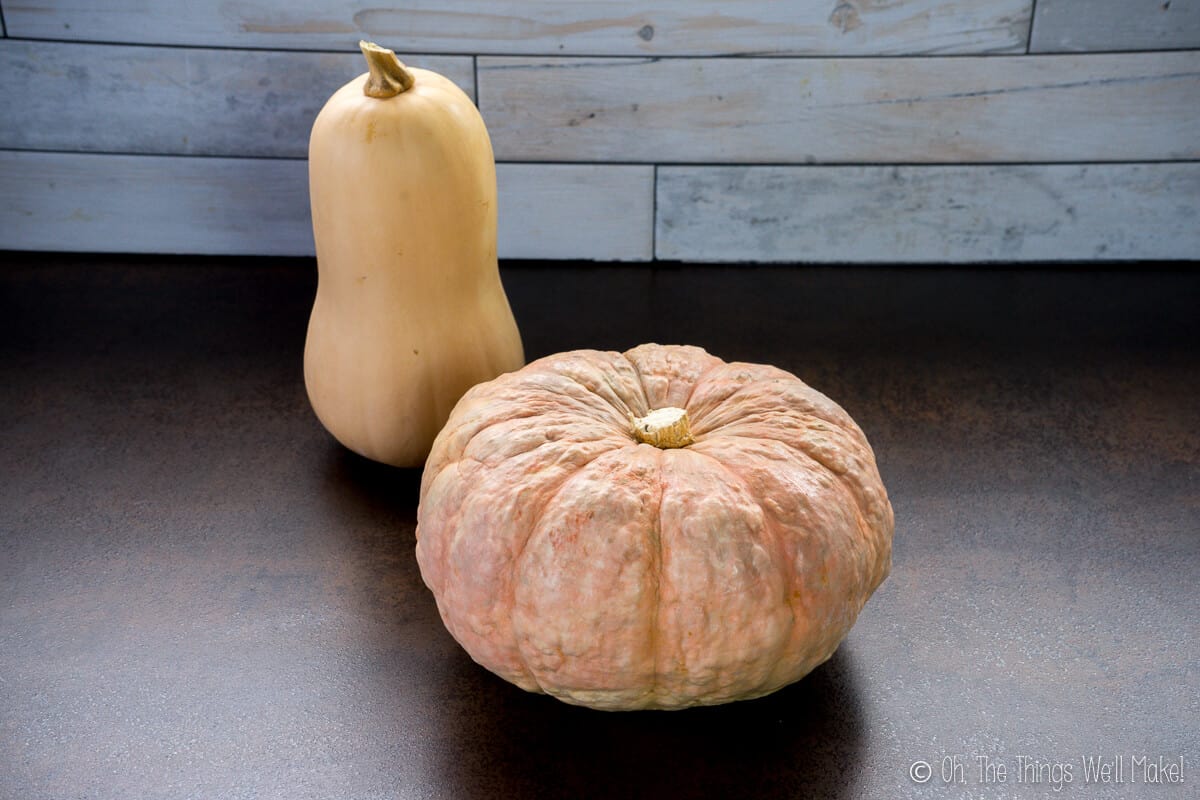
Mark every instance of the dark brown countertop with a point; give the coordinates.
(201, 595)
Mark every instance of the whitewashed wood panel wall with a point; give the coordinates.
(944, 131)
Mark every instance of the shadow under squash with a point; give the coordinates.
(498, 741)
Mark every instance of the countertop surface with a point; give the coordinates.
(202, 595)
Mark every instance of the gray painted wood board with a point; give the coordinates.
(943, 214)
(153, 204)
(170, 100)
(1062, 26)
(1099, 107)
(179, 204)
(603, 212)
(567, 27)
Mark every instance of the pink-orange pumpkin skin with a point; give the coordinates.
(569, 558)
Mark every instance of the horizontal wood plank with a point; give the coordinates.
(169, 100)
(171, 204)
(1106, 107)
(1062, 26)
(1103, 107)
(567, 27)
(950, 214)
(602, 212)
(153, 204)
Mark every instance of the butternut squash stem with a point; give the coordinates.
(389, 77)
(663, 427)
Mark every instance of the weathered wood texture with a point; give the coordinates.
(165, 100)
(172, 204)
(1109, 107)
(182, 127)
(1083, 25)
(170, 100)
(53, 201)
(562, 210)
(565, 27)
(147, 204)
(951, 214)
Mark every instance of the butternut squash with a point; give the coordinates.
(409, 310)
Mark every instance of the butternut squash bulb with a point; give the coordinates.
(409, 310)
(653, 529)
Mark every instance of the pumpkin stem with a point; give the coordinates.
(388, 76)
(663, 427)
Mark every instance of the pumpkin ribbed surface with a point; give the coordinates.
(569, 557)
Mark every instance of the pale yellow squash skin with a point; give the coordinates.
(651, 529)
(409, 310)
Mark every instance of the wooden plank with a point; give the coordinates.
(940, 214)
(153, 204)
(565, 27)
(564, 211)
(1062, 26)
(1103, 107)
(168, 100)
(172, 204)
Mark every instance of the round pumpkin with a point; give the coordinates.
(652, 529)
